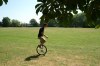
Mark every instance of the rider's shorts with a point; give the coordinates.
(42, 39)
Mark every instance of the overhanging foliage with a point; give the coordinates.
(63, 9)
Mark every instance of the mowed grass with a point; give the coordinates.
(66, 47)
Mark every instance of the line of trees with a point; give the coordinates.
(78, 20)
(7, 22)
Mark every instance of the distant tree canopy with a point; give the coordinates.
(6, 22)
(79, 20)
(63, 10)
(0, 23)
(15, 23)
(3, 1)
(34, 23)
(53, 23)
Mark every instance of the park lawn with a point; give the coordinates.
(66, 47)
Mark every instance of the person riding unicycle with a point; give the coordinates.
(41, 36)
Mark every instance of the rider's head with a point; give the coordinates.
(45, 25)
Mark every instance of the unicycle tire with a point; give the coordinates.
(41, 49)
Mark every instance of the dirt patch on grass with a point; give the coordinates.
(50, 60)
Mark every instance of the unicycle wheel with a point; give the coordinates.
(41, 49)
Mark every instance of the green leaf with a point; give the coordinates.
(39, 0)
(37, 10)
(1, 2)
(42, 18)
(42, 8)
(5, 1)
(45, 11)
(75, 12)
(38, 5)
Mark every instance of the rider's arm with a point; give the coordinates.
(46, 36)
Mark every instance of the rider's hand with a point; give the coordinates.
(46, 36)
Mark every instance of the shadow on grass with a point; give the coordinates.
(34, 57)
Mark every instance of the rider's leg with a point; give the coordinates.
(42, 41)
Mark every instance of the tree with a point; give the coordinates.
(79, 20)
(98, 23)
(53, 23)
(34, 23)
(6, 22)
(15, 23)
(25, 25)
(1, 2)
(0, 23)
(63, 9)
(92, 10)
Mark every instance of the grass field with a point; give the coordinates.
(66, 47)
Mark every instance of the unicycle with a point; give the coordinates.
(41, 49)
